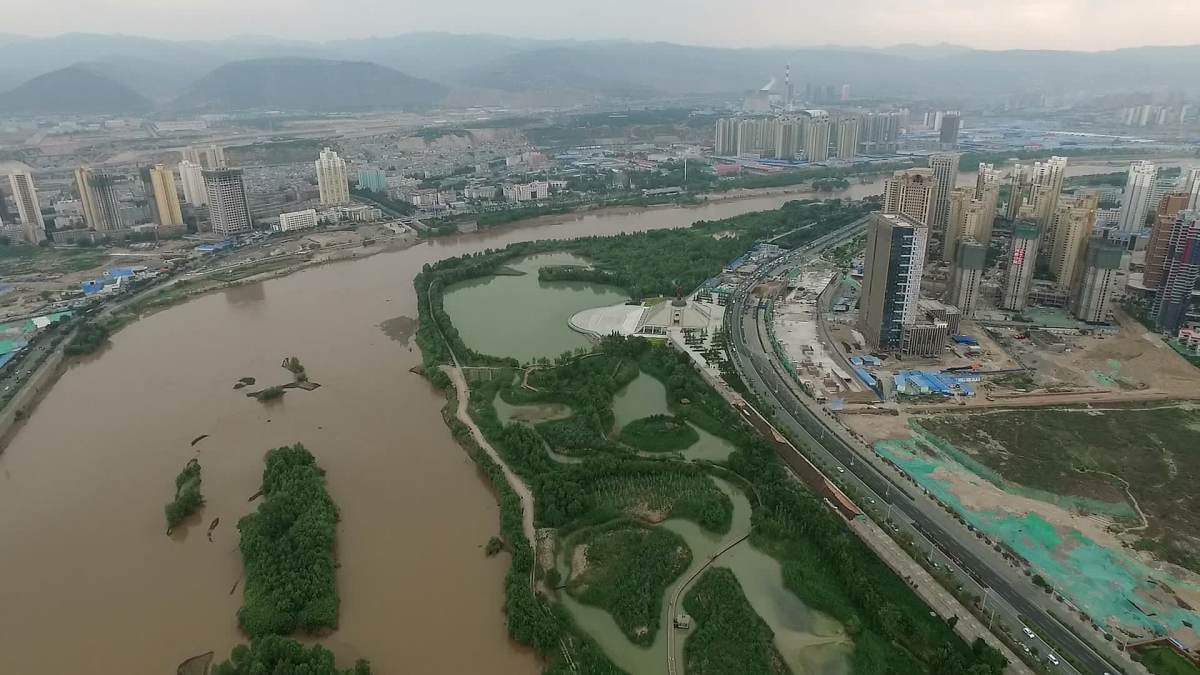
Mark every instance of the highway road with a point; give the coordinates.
(1009, 597)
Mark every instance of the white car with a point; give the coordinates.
(1028, 633)
(1052, 658)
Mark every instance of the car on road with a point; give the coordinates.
(1052, 658)
(1026, 648)
(841, 470)
(1028, 633)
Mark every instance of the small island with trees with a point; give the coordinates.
(188, 499)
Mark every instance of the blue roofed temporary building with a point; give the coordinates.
(869, 380)
(923, 382)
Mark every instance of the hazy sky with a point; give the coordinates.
(994, 24)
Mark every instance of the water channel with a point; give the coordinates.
(811, 643)
(92, 584)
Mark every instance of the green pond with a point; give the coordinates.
(811, 642)
(523, 317)
(646, 396)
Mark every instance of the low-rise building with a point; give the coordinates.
(297, 220)
(480, 192)
(527, 192)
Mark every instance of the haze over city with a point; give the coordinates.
(1086, 25)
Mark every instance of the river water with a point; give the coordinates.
(89, 582)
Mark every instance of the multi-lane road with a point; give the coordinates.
(1010, 598)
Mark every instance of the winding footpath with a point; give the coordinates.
(514, 481)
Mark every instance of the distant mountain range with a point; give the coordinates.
(307, 84)
(75, 90)
(217, 75)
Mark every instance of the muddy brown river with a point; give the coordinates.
(90, 583)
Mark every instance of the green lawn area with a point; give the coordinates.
(1164, 661)
(18, 259)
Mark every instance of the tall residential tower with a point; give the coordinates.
(25, 195)
(228, 209)
(331, 178)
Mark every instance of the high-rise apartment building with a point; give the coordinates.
(1160, 238)
(969, 220)
(205, 156)
(1017, 186)
(754, 137)
(951, 120)
(28, 210)
(847, 138)
(1162, 188)
(192, 179)
(1180, 272)
(1019, 266)
(725, 143)
(332, 180)
(228, 209)
(1045, 186)
(373, 180)
(895, 256)
(987, 190)
(98, 193)
(166, 198)
(1135, 204)
(1098, 281)
(1191, 187)
(788, 137)
(911, 192)
(879, 133)
(816, 135)
(966, 276)
(1073, 224)
(945, 169)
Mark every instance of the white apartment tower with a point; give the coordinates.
(1135, 204)
(1046, 183)
(987, 189)
(1191, 186)
(945, 169)
(847, 138)
(816, 135)
(228, 209)
(910, 192)
(205, 156)
(28, 209)
(192, 179)
(969, 219)
(331, 178)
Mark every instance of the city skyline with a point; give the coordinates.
(1022, 24)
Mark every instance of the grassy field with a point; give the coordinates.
(729, 638)
(1164, 661)
(628, 568)
(1091, 454)
(17, 260)
(659, 433)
